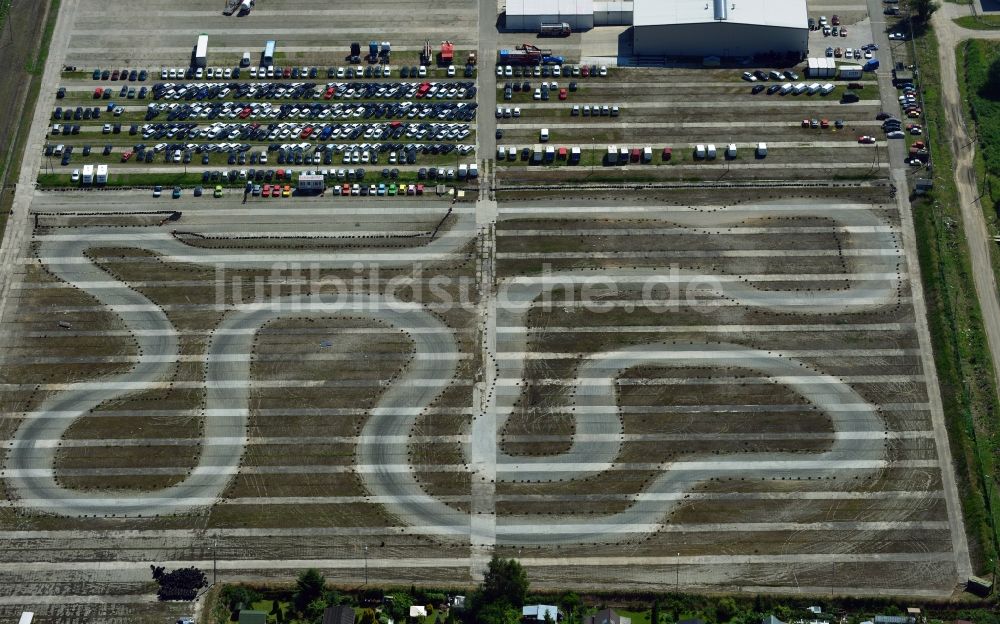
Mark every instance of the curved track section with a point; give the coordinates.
(596, 382)
(518, 295)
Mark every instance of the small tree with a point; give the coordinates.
(368, 617)
(308, 587)
(654, 613)
(922, 10)
(505, 579)
(498, 613)
(399, 606)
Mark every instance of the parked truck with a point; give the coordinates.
(201, 51)
(447, 53)
(557, 29)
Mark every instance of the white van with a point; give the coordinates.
(543, 134)
(814, 88)
(827, 88)
(786, 88)
(731, 151)
(612, 155)
(699, 152)
(711, 152)
(800, 88)
(761, 150)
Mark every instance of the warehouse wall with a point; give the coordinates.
(717, 39)
(530, 23)
(613, 13)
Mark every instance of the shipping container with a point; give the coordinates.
(201, 51)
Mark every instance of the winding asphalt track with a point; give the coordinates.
(391, 420)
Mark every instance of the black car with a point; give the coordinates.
(757, 89)
(106, 74)
(143, 75)
(107, 150)
(499, 133)
(773, 89)
(86, 150)
(133, 75)
(404, 72)
(97, 74)
(61, 93)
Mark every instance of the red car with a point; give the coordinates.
(346, 190)
(126, 155)
(329, 93)
(866, 140)
(306, 132)
(245, 113)
(585, 71)
(266, 191)
(98, 92)
(563, 93)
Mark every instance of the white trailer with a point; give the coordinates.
(201, 51)
(88, 174)
(102, 174)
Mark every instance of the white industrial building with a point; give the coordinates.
(529, 15)
(680, 28)
(726, 28)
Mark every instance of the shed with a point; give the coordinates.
(249, 616)
(418, 611)
(894, 619)
(340, 614)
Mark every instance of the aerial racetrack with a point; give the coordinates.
(383, 438)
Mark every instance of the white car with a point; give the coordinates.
(499, 70)
(517, 111)
(895, 134)
(508, 71)
(76, 175)
(749, 77)
(451, 71)
(543, 135)
(604, 70)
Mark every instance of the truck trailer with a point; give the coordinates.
(557, 29)
(201, 51)
(268, 58)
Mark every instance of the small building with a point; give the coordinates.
(250, 616)
(311, 183)
(529, 15)
(538, 613)
(418, 611)
(340, 614)
(607, 616)
(850, 72)
(771, 620)
(979, 586)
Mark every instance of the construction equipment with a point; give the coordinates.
(425, 54)
(447, 52)
(533, 49)
(472, 59)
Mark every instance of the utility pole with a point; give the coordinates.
(215, 559)
(677, 574)
(366, 563)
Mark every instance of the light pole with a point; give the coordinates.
(366, 563)
(215, 559)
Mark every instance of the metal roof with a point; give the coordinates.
(780, 13)
(550, 7)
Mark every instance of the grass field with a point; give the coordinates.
(978, 22)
